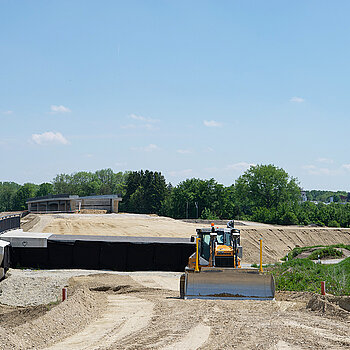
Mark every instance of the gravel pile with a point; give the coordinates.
(35, 287)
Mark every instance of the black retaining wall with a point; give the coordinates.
(6, 261)
(10, 222)
(106, 255)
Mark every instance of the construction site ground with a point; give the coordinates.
(277, 240)
(142, 310)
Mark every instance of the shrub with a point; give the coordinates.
(207, 214)
(333, 223)
(304, 275)
(289, 218)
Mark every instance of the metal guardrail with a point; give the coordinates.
(10, 222)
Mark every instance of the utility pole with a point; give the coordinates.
(186, 210)
(196, 204)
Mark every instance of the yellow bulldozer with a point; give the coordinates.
(214, 271)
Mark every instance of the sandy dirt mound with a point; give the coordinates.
(124, 316)
(29, 221)
(331, 305)
(65, 319)
(278, 240)
(114, 225)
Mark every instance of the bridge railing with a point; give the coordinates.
(10, 222)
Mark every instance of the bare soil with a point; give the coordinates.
(111, 311)
(277, 240)
(143, 310)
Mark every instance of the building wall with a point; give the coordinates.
(74, 204)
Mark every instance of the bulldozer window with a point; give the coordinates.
(205, 251)
(220, 238)
(224, 238)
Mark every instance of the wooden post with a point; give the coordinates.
(261, 268)
(64, 293)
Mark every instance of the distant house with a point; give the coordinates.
(343, 198)
(65, 203)
(303, 196)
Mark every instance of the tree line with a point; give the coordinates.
(325, 196)
(264, 193)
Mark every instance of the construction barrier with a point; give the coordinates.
(10, 222)
(5, 258)
(106, 255)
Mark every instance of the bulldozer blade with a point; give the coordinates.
(228, 283)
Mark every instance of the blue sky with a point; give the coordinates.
(189, 88)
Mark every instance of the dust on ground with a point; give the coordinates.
(277, 240)
(136, 311)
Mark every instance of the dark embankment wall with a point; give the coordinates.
(109, 255)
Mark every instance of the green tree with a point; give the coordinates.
(28, 190)
(62, 184)
(7, 194)
(289, 218)
(145, 192)
(44, 189)
(266, 186)
(85, 183)
(207, 214)
(192, 196)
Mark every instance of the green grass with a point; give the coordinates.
(298, 250)
(326, 252)
(264, 265)
(52, 304)
(305, 275)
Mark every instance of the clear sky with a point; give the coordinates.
(190, 88)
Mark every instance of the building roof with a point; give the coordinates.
(67, 197)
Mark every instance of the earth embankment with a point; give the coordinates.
(277, 240)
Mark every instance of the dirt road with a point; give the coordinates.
(278, 240)
(111, 311)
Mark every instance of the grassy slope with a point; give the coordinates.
(296, 251)
(304, 275)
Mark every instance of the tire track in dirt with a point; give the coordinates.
(324, 333)
(119, 313)
(125, 315)
(193, 340)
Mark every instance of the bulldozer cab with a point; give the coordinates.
(210, 239)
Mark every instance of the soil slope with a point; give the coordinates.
(277, 240)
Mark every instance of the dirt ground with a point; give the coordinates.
(143, 311)
(277, 240)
